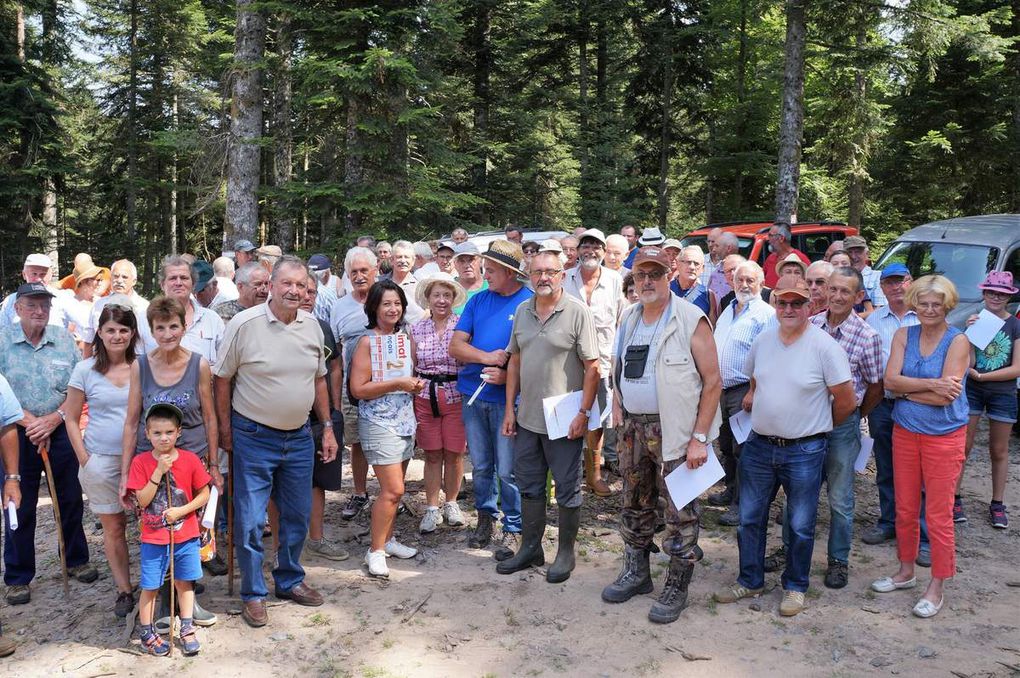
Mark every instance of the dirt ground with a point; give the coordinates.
(447, 613)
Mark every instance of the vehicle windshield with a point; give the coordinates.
(744, 244)
(965, 265)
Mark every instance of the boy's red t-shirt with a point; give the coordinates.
(187, 477)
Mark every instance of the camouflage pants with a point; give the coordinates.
(639, 445)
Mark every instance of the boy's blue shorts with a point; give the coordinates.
(156, 561)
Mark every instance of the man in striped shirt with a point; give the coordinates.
(739, 324)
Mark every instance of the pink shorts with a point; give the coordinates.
(443, 433)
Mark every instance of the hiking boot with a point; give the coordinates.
(776, 560)
(735, 592)
(7, 646)
(723, 497)
(430, 521)
(997, 513)
(923, 556)
(482, 535)
(355, 505)
(215, 567)
(793, 603)
(958, 514)
(730, 517)
(569, 523)
(18, 594)
(875, 535)
(673, 598)
(507, 545)
(86, 573)
(125, 603)
(837, 575)
(530, 553)
(452, 514)
(593, 474)
(324, 548)
(633, 579)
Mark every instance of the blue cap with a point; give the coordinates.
(319, 262)
(203, 272)
(893, 270)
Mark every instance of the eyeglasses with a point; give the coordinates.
(816, 282)
(546, 272)
(656, 275)
(799, 303)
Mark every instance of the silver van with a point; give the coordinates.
(964, 250)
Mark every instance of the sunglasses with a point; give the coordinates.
(799, 303)
(656, 275)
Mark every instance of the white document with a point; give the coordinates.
(740, 424)
(12, 515)
(984, 329)
(685, 485)
(867, 444)
(209, 518)
(560, 411)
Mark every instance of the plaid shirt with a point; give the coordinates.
(863, 348)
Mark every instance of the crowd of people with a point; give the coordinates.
(247, 377)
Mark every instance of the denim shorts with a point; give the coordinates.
(382, 446)
(156, 561)
(999, 405)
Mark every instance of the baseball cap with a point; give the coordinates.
(270, 251)
(895, 270)
(319, 262)
(551, 245)
(655, 255)
(445, 245)
(167, 410)
(854, 241)
(38, 260)
(465, 249)
(791, 285)
(203, 272)
(651, 236)
(593, 233)
(33, 290)
(672, 243)
(243, 246)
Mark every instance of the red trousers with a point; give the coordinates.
(932, 463)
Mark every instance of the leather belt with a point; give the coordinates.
(433, 380)
(643, 418)
(776, 441)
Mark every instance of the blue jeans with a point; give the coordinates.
(492, 454)
(880, 425)
(268, 463)
(844, 447)
(764, 468)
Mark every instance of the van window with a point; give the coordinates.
(965, 265)
(814, 245)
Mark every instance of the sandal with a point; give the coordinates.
(888, 584)
(189, 641)
(925, 608)
(155, 645)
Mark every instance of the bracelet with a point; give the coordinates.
(154, 482)
(12, 476)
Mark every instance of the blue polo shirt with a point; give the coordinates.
(488, 318)
(10, 408)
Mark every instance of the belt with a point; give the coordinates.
(776, 441)
(643, 418)
(433, 380)
(746, 384)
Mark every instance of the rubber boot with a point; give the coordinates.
(634, 578)
(593, 473)
(532, 531)
(570, 521)
(673, 598)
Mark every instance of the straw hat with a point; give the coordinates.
(791, 258)
(424, 288)
(505, 253)
(84, 269)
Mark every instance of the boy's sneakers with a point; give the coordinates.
(430, 521)
(997, 512)
(958, 515)
(355, 505)
(189, 640)
(452, 514)
(153, 643)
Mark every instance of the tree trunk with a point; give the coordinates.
(791, 126)
(584, 130)
(130, 190)
(243, 166)
(19, 30)
(859, 154)
(482, 48)
(175, 121)
(51, 57)
(666, 104)
(741, 126)
(1013, 69)
(354, 167)
(283, 135)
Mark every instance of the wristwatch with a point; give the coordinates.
(700, 437)
(12, 476)
(585, 412)
(63, 416)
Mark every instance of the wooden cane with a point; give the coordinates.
(230, 522)
(45, 454)
(173, 588)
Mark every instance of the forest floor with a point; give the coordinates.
(447, 612)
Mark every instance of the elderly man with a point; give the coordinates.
(424, 260)
(856, 248)
(667, 380)
(740, 323)
(224, 269)
(817, 278)
(601, 290)
(459, 235)
(468, 264)
(384, 252)
(729, 265)
(325, 293)
(514, 234)
(252, 282)
(64, 310)
(864, 351)
(569, 244)
(780, 238)
(37, 360)
(123, 276)
(479, 342)
(10, 414)
(444, 257)
(726, 245)
(801, 387)
(268, 255)
(714, 259)
(271, 374)
(403, 260)
(244, 252)
(206, 288)
(348, 320)
(886, 320)
(686, 286)
(616, 251)
(552, 329)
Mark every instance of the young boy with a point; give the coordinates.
(152, 473)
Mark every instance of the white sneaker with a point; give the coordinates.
(376, 562)
(397, 550)
(452, 514)
(430, 521)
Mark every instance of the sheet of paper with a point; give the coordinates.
(984, 329)
(740, 424)
(560, 411)
(390, 356)
(867, 444)
(686, 485)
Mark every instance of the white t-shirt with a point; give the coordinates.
(639, 395)
(107, 408)
(791, 393)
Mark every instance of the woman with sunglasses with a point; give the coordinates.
(991, 391)
(103, 381)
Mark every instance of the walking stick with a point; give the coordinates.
(230, 522)
(45, 454)
(173, 612)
